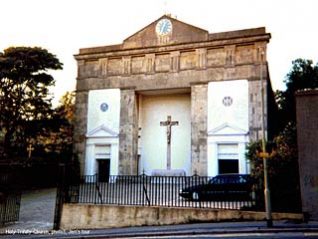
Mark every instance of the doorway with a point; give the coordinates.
(103, 170)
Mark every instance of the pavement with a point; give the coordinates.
(174, 231)
(36, 210)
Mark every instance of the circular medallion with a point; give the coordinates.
(104, 107)
(227, 101)
(164, 27)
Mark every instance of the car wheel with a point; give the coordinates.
(195, 196)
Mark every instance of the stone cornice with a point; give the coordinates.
(118, 51)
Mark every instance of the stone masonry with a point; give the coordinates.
(307, 134)
(199, 106)
(188, 58)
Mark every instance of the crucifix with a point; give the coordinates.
(30, 149)
(169, 124)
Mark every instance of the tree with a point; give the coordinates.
(24, 94)
(282, 170)
(283, 164)
(303, 75)
(56, 134)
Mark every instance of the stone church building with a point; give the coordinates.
(172, 99)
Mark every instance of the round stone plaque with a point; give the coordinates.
(227, 101)
(104, 107)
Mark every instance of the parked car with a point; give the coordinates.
(225, 187)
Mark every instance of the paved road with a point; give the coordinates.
(231, 230)
(36, 211)
(282, 235)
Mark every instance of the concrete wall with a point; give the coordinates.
(153, 141)
(307, 135)
(88, 216)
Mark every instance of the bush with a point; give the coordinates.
(282, 171)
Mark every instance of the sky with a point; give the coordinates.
(64, 26)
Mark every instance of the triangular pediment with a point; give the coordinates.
(101, 131)
(178, 32)
(227, 129)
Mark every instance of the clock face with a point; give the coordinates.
(164, 27)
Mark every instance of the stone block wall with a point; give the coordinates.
(92, 216)
(307, 135)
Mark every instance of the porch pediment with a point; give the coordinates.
(101, 132)
(227, 129)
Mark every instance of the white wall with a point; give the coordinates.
(96, 117)
(237, 113)
(227, 124)
(153, 141)
(102, 128)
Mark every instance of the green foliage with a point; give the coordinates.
(282, 170)
(303, 75)
(58, 134)
(24, 94)
(283, 163)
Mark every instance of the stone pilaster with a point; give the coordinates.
(80, 127)
(150, 63)
(255, 109)
(230, 56)
(126, 65)
(199, 115)
(201, 53)
(260, 53)
(103, 66)
(128, 135)
(175, 61)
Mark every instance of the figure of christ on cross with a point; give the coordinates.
(169, 124)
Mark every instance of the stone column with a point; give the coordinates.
(80, 127)
(199, 109)
(128, 135)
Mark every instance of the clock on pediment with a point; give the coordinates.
(164, 27)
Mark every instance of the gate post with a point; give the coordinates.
(60, 196)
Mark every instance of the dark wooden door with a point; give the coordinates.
(104, 170)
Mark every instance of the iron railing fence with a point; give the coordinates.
(146, 190)
(10, 197)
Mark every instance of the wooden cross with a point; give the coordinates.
(169, 124)
(30, 149)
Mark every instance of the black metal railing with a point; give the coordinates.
(146, 190)
(10, 197)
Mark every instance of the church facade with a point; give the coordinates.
(172, 99)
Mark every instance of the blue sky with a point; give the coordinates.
(64, 26)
